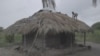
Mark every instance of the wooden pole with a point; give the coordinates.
(84, 38)
(33, 43)
(44, 42)
(71, 43)
(24, 41)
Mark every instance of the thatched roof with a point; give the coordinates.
(45, 21)
(82, 27)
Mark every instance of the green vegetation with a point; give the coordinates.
(6, 40)
(10, 38)
(96, 26)
(1, 29)
(93, 36)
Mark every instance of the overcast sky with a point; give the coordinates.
(13, 10)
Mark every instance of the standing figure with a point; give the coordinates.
(74, 15)
(49, 4)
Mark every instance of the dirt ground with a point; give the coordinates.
(94, 52)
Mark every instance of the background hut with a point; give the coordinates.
(47, 29)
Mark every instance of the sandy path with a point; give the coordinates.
(9, 52)
(94, 52)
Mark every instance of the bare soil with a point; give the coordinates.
(9, 51)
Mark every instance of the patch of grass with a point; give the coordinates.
(79, 37)
(91, 37)
(18, 38)
(3, 41)
(94, 37)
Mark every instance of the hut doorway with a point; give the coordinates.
(61, 40)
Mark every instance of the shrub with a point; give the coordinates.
(96, 26)
(1, 29)
(10, 38)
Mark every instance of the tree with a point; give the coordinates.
(96, 26)
(1, 29)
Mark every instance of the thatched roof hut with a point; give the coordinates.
(57, 28)
(47, 29)
(44, 21)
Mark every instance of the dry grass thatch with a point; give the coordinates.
(45, 21)
(82, 27)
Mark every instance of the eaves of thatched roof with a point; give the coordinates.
(82, 27)
(45, 21)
